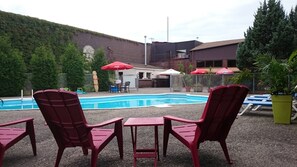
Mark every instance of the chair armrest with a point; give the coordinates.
(17, 122)
(111, 121)
(173, 118)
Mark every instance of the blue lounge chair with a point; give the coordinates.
(255, 102)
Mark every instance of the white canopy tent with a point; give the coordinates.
(170, 72)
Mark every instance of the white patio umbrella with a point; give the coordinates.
(170, 72)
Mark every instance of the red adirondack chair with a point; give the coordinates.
(220, 111)
(64, 116)
(10, 136)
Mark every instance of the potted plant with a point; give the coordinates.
(188, 82)
(276, 75)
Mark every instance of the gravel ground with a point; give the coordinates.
(254, 140)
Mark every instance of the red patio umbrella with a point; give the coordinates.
(117, 65)
(199, 71)
(224, 71)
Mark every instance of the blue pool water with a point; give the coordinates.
(115, 102)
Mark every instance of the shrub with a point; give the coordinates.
(73, 66)
(103, 75)
(44, 69)
(12, 69)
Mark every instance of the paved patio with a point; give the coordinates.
(254, 140)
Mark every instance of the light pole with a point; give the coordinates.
(145, 50)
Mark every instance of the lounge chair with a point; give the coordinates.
(220, 111)
(64, 116)
(10, 136)
(255, 102)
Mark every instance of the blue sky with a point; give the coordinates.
(207, 21)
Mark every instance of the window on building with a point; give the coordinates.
(218, 63)
(208, 63)
(231, 63)
(182, 53)
(140, 75)
(148, 75)
(200, 64)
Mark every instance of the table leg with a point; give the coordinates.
(134, 141)
(157, 141)
(155, 150)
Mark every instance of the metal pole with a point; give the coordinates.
(170, 80)
(167, 29)
(145, 63)
(22, 94)
(32, 94)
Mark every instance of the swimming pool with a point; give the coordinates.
(115, 102)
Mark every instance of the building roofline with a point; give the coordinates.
(217, 44)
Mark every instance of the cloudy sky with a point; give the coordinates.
(205, 20)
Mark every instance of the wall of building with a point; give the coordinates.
(217, 53)
(165, 51)
(115, 48)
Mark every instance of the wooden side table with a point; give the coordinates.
(145, 153)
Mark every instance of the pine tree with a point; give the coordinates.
(271, 34)
(103, 75)
(73, 66)
(44, 69)
(293, 21)
(12, 69)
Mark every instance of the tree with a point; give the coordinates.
(103, 75)
(12, 69)
(44, 69)
(293, 20)
(73, 66)
(271, 34)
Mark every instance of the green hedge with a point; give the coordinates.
(73, 66)
(44, 70)
(12, 69)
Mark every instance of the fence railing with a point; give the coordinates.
(206, 80)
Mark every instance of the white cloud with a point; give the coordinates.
(209, 20)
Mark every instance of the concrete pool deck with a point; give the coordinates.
(254, 140)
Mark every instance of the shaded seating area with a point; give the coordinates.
(65, 118)
(220, 111)
(9, 136)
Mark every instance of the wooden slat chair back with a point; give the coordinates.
(64, 116)
(220, 111)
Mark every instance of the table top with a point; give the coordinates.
(144, 121)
